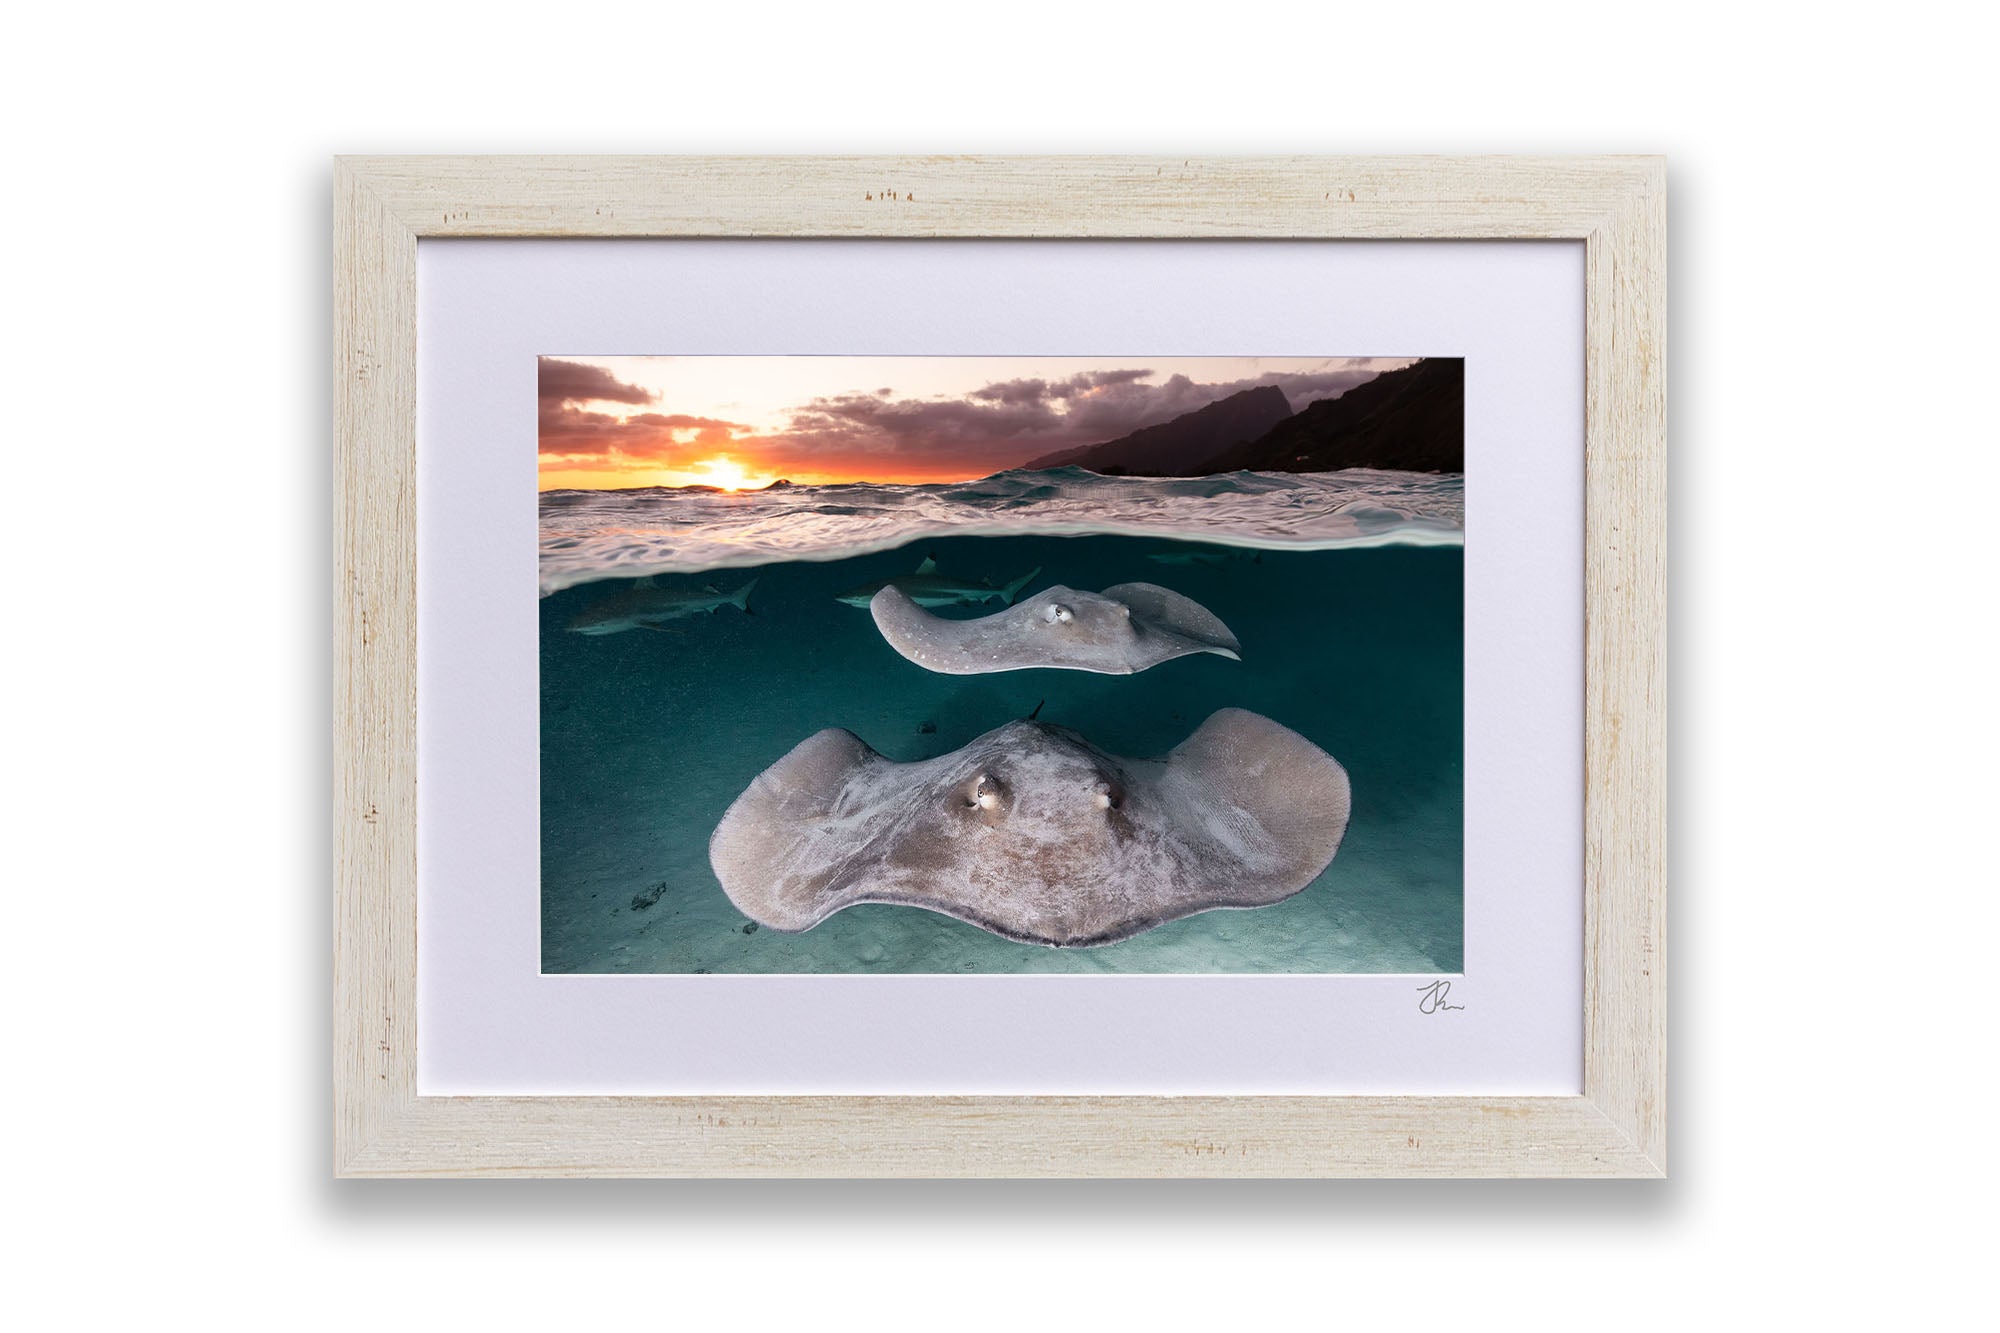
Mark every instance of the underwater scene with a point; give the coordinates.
(1051, 720)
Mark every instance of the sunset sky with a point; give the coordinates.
(747, 420)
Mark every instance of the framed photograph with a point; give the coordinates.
(1007, 667)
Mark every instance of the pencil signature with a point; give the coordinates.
(1436, 997)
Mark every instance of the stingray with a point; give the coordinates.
(1033, 833)
(1119, 631)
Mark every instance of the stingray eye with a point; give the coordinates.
(1058, 614)
(984, 793)
(1104, 796)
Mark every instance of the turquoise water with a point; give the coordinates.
(648, 736)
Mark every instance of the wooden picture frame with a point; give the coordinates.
(383, 206)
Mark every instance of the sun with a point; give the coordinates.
(721, 472)
(726, 473)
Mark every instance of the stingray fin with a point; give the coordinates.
(769, 853)
(1179, 615)
(1296, 791)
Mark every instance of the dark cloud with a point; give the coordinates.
(1013, 391)
(567, 429)
(651, 437)
(1021, 391)
(572, 382)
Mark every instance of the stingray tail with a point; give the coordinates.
(742, 598)
(1014, 589)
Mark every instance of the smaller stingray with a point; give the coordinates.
(1033, 833)
(1119, 631)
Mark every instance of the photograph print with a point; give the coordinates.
(977, 665)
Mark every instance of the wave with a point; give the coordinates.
(588, 535)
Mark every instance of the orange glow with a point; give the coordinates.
(730, 473)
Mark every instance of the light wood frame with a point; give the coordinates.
(383, 206)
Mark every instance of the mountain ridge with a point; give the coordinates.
(1407, 420)
(1182, 442)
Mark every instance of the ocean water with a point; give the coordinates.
(1345, 590)
(589, 535)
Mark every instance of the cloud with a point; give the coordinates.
(567, 431)
(1024, 391)
(651, 438)
(561, 381)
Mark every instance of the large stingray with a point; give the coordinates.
(1121, 630)
(1034, 833)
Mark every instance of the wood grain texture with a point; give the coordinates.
(1616, 206)
(1383, 198)
(1625, 620)
(928, 1137)
(375, 665)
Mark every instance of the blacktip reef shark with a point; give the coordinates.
(646, 605)
(927, 587)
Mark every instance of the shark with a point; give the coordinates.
(927, 587)
(647, 605)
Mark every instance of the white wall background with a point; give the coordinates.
(166, 334)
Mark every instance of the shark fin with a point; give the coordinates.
(644, 581)
(929, 566)
(742, 598)
(1013, 590)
